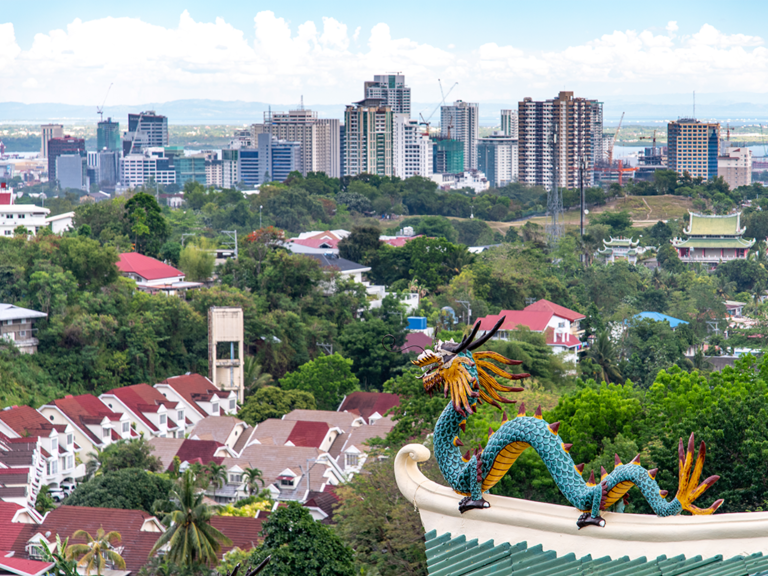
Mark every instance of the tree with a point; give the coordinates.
(148, 227)
(253, 476)
(361, 245)
(189, 534)
(297, 544)
(328, 378)
(127, 489)
(417, 410)
(669, 260)
(136, 453)
(44, 503)
(606, 356)
(272, 402)
(196, 263)
(254, 376)
(217, 475)
(96, 552)
(371, 363)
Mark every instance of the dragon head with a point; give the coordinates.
(466, 376)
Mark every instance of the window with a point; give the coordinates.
(352, 460)
(22, 333)
(215, 408)
(286, 482)
(180, 416)
(105, 433)
(235, 478)
(70, 439)
(126, 427)
(162, 418)
(70, 462)
(54, 444)
(53, 467)
(35, 552)
(232, 404)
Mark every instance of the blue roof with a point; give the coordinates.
(659, 317)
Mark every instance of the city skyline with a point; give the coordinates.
(325, 53)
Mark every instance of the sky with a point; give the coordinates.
(70, 52)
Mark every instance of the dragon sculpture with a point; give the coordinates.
(468, 377)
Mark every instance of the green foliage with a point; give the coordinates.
(298, 544)
(44, 503)
(136, 453)
(196, 263)
(649, 347)
(416, 412)
(361, 244)
(148, 228)
(272, 402)
(127, 489)
(328, 378)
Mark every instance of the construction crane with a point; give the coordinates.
(444, 95)
(650, 138)
(100, 109)
(613, 143)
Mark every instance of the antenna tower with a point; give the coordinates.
(554, 195)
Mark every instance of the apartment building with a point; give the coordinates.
(509, 123)
(48, 132)
(553, 137)
(368, 139)
(692, 147)
(735, 166)
(412, 148)
(460, 122)
(149, 165)
(497, 158)
(391, 90)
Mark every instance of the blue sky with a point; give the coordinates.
(163, 50)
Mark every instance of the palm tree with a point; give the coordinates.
(604, 354)
(217, 475)
(253, 375)
(190, 536)
(252, 476)
(96, 552)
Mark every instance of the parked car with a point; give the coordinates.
(68, 487)
(57, 494)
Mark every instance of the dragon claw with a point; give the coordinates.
(468, 504)
(587, 519)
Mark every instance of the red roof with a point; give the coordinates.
(243, 531)
(308, 434)
(16, 565)
(146, 267)
(6, 198)
(416, 339)
(536, 320)
(556, 309)
(191, 387)
(366, 404)
(141, 398)
(25, 420)
(86, 409)
(400, 241)
(202, 449)
(9, 531)
(6, 471)
(318, 242)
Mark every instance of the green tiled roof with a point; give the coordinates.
(715, 243)
(714, 225)
(448, 556)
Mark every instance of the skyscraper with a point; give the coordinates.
(692, 147)
(553, 137)
(391, 90)
(48, 131)
(59, 146)
(368, 136)
(108, 135)
(509, 123)
(412, 148)
(497, 159)
(459, 121)
(145, 130)
(319, 138)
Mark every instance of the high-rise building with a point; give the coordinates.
(342, 147)
(59, 146)
(71, 171)
(368, 127)
(391, 90)
(214, 175)
(230, 167)
(735, 166)
(412, 148)
(190, 169)
(108, 171)
(460, 122)
(108, 135)
(48, 132)
(319, 138)
(497, 159)
(554, 136)
(145, 130)
(509, 123)
(447, 156)
(692, 147)
(150, 165)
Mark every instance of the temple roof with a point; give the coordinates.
(704, 225)
(628, 242)
(713, 242)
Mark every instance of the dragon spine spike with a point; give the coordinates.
(463, 425)
(554, 427)
(663, 493)
(538, 412)
(580, 468)
(617, 460)
(591, 481)
(652, 473)
(567, 447)
(504, 417)
(490, 432)
(467, 457)
(636, 460)
(681, 452)
(457, 441)
(603, 473)
(521, 409)
(716, 504)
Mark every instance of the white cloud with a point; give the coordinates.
(327, 63)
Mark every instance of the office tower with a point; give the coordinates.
(735, 166)
(497, 159)
(368, 139)
(108, 171)
(230, 168)
(47, 132)
(459, 121)
(108, 135)
(319, 139)
(692, 147)
(277, 158)
(149, 166)
(71, 171)
(391, 90)
(59, 146)
(145, 130)
(190, 169)
(578, 123)
(342, 147)
(447, 156)
(509, 123)
(412, 148)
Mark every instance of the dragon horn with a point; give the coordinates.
(488, 335)
(466, 341)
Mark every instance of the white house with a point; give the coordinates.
(61, 222)
(28, 215)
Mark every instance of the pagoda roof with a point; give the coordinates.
(713, 242)
(621, 242)
(706, 225)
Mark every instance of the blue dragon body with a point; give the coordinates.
(466, 377)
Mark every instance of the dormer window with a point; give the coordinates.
(54, 444)
(70, 439)
(235, 478)
(232, 404)
(352, 460)
(162, 419)
(105, 433)
(215, 408)
(286, 481)
(180, 416)
(126, 427)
